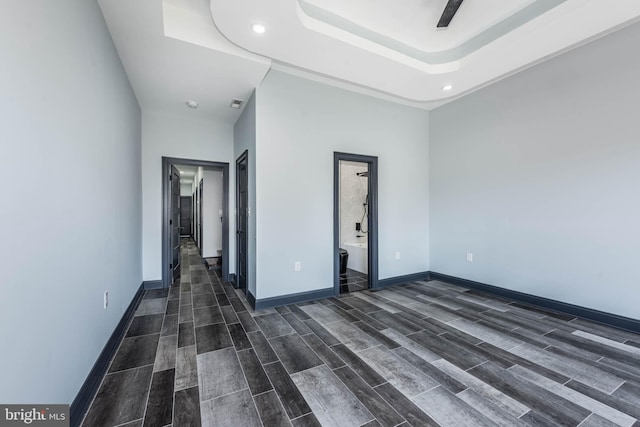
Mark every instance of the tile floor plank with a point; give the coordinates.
(254, 372)
(186, 335)
(235, 409)
(121, 398)
(212, 337)
(409, 410)
(169, 325)
(239, 337)
(262, 347)
(197, 354)
(145, 325)
(294, 353)
(331, 401)
(296, 323)
(294, 403)
(323, 351)
(166, 353)
(160, 403)
(450, 411)
(270, 410)
(384, 413)
(273, 325)
(219, 373)
(558, 409)
(408, 379)
(135, 352)
(186, 368)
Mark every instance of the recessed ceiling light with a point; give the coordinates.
(258, 28)
(181, 172)
(236, 103)
(447, 87)
(192, 104)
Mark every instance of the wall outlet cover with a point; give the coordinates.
(469, 257)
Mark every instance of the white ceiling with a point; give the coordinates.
(166, 71)
(178, 50)
(413, 22)
(187, 173)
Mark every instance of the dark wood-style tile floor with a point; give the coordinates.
(353, 281)
(418, 354)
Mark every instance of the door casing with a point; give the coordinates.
(243, 158)
(372, 235)
(166, 205)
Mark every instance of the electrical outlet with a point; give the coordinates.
(297, 266)
(358, 226)
(397, 255)
(469, 257)
(106, 299)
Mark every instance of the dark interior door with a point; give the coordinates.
(196, 199)
(200, 243)
(242, 202)
(174, 223)
(185, 215)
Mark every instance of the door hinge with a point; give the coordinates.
(171, 177)
(170, 222)
(170, 265)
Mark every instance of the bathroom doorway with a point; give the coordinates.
(355, 223)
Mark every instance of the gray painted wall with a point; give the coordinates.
(538, 176)
(300, 124)
(244, 137)
(68, 116)
(181, 137)
(212, 198)
(186, 188)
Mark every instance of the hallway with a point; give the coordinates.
(418, 354)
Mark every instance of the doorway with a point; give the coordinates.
(172, 209)
(185, 216)
(355, 222)
(200, 220)
(242, 203)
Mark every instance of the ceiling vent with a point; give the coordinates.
(236, 103)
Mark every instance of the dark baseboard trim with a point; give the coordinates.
(262, 304)
(383, 283)
(80, 404)
(152, 284)
(608, 319)
(251, 299)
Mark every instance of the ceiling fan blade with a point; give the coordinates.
(449, 11)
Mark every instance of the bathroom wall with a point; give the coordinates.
(353, 192)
